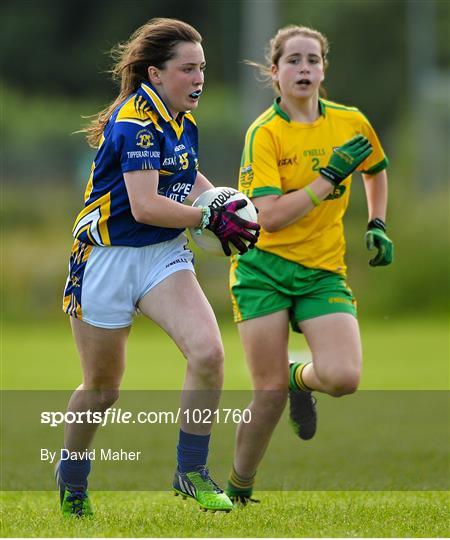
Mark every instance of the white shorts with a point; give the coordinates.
(105, 284)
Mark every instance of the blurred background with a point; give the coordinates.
(390, 58)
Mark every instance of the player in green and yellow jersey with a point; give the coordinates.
(297, 163)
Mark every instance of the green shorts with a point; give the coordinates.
(262, 283)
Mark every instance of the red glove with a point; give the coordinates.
(229, 227)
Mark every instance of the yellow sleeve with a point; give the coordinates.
(377, 161)
(259, 175)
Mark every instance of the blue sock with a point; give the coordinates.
(192, 451)
(74, 472)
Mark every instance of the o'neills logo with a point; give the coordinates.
(222, 197)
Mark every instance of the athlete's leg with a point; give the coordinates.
(265, 342)
(335, 344)
(179, 306)
(102, 355)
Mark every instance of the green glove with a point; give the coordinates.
(345, 159)
(376, 238)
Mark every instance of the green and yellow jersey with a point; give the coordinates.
(281, 156)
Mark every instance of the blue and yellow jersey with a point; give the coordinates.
(140, 135)
(282, 156)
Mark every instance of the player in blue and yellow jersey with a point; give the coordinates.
(130, 251)
(297, 163)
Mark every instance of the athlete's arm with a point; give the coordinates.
(148, 207)
(283, 210)
(278, 211)
(376, 186)
(201, 184)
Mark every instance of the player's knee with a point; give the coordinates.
(102, 398)
(271, 397)
(107, 398)
(207, 360)
(343, 383)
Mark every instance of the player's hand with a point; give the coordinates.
(229, 227)
(345, 159)
(376, 238)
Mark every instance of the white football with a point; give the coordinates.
(216, 197)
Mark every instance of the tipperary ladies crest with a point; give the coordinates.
(144, 138)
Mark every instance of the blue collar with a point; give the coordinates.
(151, 95)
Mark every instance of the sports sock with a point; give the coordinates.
(239, 484)
(74, 473)
(192, 451)
(296, 381)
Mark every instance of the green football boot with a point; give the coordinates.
(74, 502)
(199, 486)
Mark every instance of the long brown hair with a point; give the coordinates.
(275, 50)
(153, 44)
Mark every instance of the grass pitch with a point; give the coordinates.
(280, 514)
(398, 355)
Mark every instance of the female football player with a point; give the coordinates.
(297, 163)
(130, 251)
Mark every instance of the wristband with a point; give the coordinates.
(206, 214)
(312, 196)
(376, 223)
(329, 176)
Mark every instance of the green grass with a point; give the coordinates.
(286, 514)
(406, 354)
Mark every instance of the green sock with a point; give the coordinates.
(240, 485)
(296, 381)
